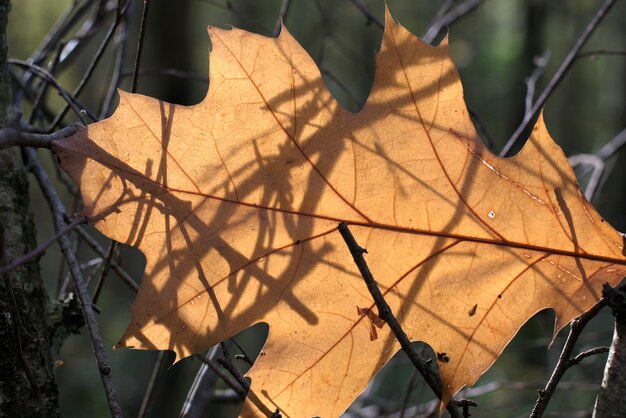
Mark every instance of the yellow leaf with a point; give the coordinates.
(235, 204)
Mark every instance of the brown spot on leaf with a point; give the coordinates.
(375, 321)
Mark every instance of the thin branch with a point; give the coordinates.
(613, 146)
(43, 87)
(94, 63)
(243, 356)
(41, 249)
(104, 271)
(156, 372)
(489, 388)
(448, 17)
(433, 27)
(21, 88)
(71, 100)
(201, 391)
(10, 137)
(540, 61)
(282, 17)
(588, 353)
(89, 240)
(601, 52)
(142, 36)
(558, 77)
(589, 160)
(597, 162)
(58, 211)
(72, 16)
(118, 68)
(384, 312)
(227, 378)
(226, 362)
(565, 359)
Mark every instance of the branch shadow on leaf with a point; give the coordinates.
(240, 228)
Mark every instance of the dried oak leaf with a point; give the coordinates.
(235, 203)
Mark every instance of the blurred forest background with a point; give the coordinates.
(496, 47)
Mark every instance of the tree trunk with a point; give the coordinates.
(611, 401)
(27, 385)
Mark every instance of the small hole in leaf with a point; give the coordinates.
(443, 357)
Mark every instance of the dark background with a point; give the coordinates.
(494, 48)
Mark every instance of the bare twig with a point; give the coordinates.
(491, 387)
(434, 27)
(201, 391)
(41, 249)
(589, 160)
(558, 77)
(243, 356)
(142, 36)
(72, 16)
(104, 271)
(565, 359)
(597, 162)
(90, 27)
(71, 100)
(613, 146)
(10, 137)
(384, 312)
(227, 378)
(156, 372)
(588, 353)
(89, 240)
(93, 64)
(540, 61)
(118, 71)
(448, 17)
(57, 209)
(228, 364)
(282, 16)
(601, 52)
(43, 87)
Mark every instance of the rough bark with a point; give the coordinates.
(611, 401)
(27, 386)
